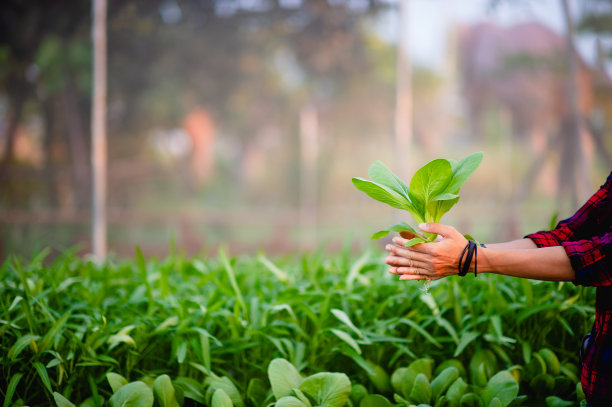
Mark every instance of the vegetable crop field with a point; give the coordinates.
(294, 331)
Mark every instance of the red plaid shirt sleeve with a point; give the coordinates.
(586, 238)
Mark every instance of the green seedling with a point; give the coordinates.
(433, 191)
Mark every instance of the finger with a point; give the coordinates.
(413, 277)
(420, 247)
(393, 270)
(400, 261)
(401, 251)
(437, 228)
(400, 241)
(416, 271)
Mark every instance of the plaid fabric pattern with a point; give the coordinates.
(587, 240)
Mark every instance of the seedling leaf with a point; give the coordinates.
(62, 401)
(134, 394)
(398, 227)
(414, 241)
(380, 174)
(221, 399)
(381, 193)
(431, 180)
(164, 392)
(283, 377)
(327, 389)
(290, 401)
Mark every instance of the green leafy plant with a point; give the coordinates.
(75, 333)
(433, 191)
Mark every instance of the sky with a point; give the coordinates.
(430, 20)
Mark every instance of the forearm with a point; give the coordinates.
(546, 263)
(513, 245)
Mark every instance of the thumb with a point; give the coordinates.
(439, 229)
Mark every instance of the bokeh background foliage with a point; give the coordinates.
(243, 122)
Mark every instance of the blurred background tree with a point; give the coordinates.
(204, 107)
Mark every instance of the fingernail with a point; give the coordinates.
(422, 226)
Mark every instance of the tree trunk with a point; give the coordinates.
(76, 143)
(17, 102)
(98, 131)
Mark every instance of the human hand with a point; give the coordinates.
(426, 261)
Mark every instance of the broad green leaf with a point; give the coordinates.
(327, 389)
(62, 401)
(381, 193)
(283, 377)
(431, 180)
(463, 170)
(290, 401)
(380, 174)
(224, 383)
(456, 391)
(439, 208)
(415, 241)
(358, 392)
(402, 380)
(471, 400)
(421, 390)
(221, 399)
(10, 390)
(93, 401)
(451, 362)
(442, 382)
(302, 397)
(133, 394)
(116, 381)
(552, 362)
(348, 339)
(375, 400)
(447, 196)
(503, 386)
(422, 365)
(164, 392)
(496, 403)
(398, 227)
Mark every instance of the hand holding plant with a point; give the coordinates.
(433, 191)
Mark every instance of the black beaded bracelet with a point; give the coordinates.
(470, 251)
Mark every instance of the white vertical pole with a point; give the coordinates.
(98, 131)
(309, 149)
(403, 94)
